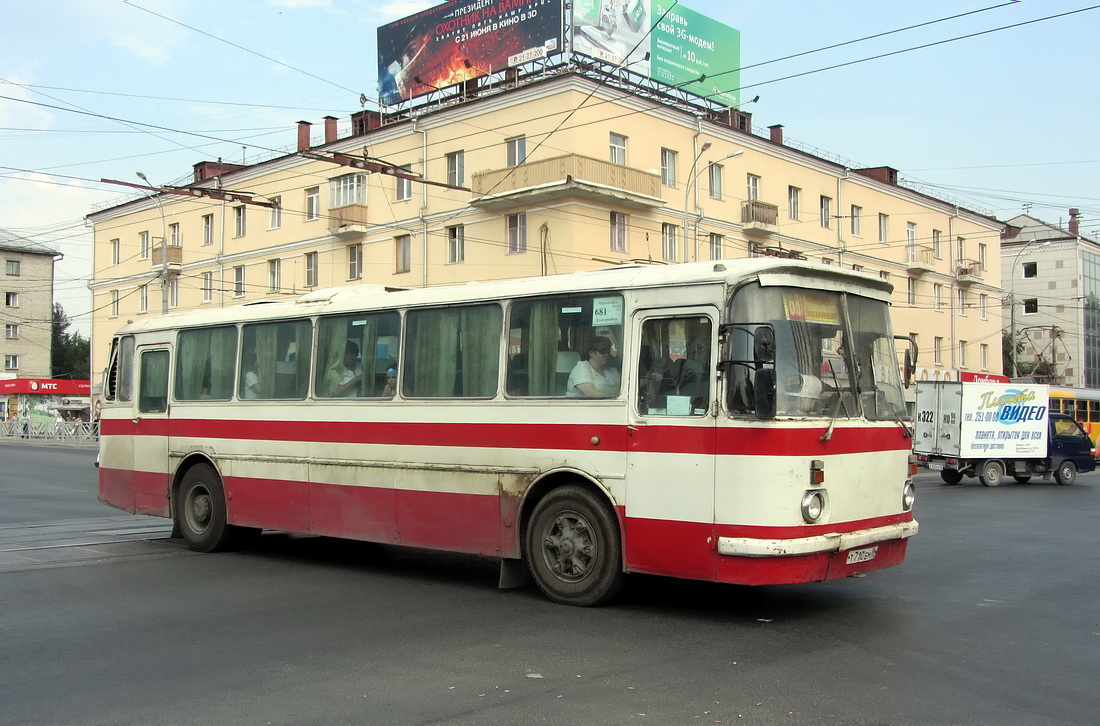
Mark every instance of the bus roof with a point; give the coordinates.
(372, 296)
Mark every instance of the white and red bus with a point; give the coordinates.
(738, 422)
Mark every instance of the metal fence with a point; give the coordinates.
(65, 431)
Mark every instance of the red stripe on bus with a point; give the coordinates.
(688, 439)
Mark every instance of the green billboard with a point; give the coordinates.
(683, 45)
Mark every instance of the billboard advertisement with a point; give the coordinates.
(463, 39)
(683, 46)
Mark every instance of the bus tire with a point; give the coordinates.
(1066, 473)
(201, 512)
(573, 548)
(991, 472)
(951, 476)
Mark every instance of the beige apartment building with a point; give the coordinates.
(26, 283)
(562, 171)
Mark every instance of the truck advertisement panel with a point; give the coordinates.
(683, 46)
(1004, 420)
(463, 39)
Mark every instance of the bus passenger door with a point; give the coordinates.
(150, 433)
(671, 438)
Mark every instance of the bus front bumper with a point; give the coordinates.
(831, 542)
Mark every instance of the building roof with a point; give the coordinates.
(14, 243)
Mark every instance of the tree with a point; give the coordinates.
(69, 352)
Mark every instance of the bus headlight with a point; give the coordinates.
(813, 505)
(908, 496)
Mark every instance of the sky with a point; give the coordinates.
(995, 110)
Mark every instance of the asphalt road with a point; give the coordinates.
(994, 619)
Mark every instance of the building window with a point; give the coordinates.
(962, 354)
(668, 241)
(274, 275)
(11, 331)
(238, 281)
(716, 173)
(276, 213)
(618, 232)
(911, 233)
(11, 299)
(114, 303)
(11, 267)
(618, 149)
(403, 188)
(313, 203)
(403, 253)
(174, 292)
(517, 150)
(116, 251)
(344, 190)
(355, 262)
(983, 305)
(960, 248)
(239, 221)
(208, 229)
(883, 228)
(793, 199)
(311, 269)
(857, 221)
(752, 187)
(1031, 269)
(456, 169)
(207, 287)
(517, 233)
(826, 209)
(11, 362)
(937, 350)
(716, 243)
(937, 244)
(983, 356)
(174, 234)
(981, 257)
(962, 302)
(668, 167)
(937, 296)
(143, 299)
(1031, 306)
(456, 244)
(143, 245)
(911, 292)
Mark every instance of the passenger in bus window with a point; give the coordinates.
(345, 378)
(251, 387)
(593, 376)
(390, 389)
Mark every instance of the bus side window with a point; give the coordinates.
(126, 369)
(153, 382)
(674, 366)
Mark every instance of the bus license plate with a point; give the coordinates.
(857, 556)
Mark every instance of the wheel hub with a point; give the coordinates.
(570, 547)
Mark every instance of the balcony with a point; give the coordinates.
(175, 256)
(968, 271)
(759, 218)
(919, 259)
(570, 176)
(348, 221)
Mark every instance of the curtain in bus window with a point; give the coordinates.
(333, 338)
(480, 328)
(205, 363)
(453, 352)
(542, 349)
(277, 356)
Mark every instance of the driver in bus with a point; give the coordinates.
(593, 376)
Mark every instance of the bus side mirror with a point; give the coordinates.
(763, 344)
(910, 364)
(764, 393)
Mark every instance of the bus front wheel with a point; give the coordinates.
(201, 511)
(573, 548)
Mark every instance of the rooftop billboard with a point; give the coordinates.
(463, 39)
(684, 45)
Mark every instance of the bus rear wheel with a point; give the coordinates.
(201, 512)
(573, 548)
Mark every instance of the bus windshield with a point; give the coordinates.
(827, 354)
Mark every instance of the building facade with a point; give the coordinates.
(1052, 286)
(26, 282)
(541, 175)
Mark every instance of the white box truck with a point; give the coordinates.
(988, 430)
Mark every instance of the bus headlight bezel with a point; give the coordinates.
(908, 496)
(814, 503)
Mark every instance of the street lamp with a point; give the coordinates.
(693, 179)
(163, 247)
(1012, 303)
